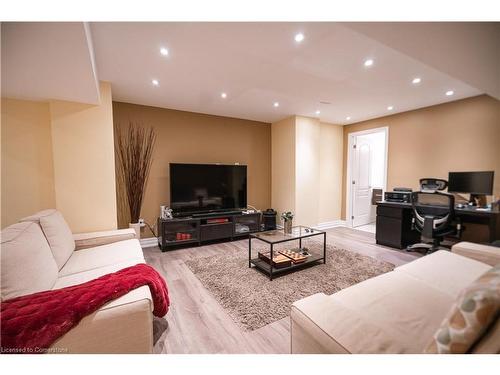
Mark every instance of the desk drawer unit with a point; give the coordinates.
(394, 227)
(396, 213)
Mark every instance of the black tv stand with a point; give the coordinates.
(195, 230)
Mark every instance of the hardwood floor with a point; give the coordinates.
(197, 324)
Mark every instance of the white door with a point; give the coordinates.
(361, 182)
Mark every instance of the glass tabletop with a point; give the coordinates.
(278, 235)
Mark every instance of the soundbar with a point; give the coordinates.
(220, 213)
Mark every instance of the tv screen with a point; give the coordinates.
(198, 188)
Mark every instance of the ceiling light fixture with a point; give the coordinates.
(276, 104)
(390, 108)
(318, 112)
(223, 95)
(164, 51)
(155, 82)
(348, 118)
(368, 62)
(416, 80)
(299, 37)
(449, 93)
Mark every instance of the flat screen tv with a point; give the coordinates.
(203, 188)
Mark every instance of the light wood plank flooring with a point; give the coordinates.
(197, 324)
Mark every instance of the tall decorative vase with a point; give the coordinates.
(137, 228)
(288, 226)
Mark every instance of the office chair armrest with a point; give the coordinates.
(482, 253)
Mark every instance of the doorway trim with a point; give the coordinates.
(350, 161)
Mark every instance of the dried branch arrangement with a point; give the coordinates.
(134, 155)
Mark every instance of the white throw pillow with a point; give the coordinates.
(27, 264)
(57, 232)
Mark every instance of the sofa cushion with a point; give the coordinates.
(27, 264)
(390, 313)
(443, 270)
(102, 256)
(400, 312)
(84, 276)
(57, 232)
(475, 310)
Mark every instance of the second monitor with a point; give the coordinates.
(477, 184)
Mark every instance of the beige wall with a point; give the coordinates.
(283, 165)
(84, 164)
(330, 172)
(307, 169)
(459, 136)
(307, 166)
(186, 137)
(27, 165)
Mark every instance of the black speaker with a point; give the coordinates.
(269, 218)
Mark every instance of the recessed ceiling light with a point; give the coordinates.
(318, 112)
(164, 51)
(155, 82)
(223, 95)
(449, 93)
(416, 80)
(276, 104)
(348, 118)
(369, 62)
(390, 108)
(299, 37)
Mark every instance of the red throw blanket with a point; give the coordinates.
(33, 322)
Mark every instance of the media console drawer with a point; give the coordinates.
(216, 231)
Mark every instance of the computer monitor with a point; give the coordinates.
(477, 184)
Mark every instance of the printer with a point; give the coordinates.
(399, 194)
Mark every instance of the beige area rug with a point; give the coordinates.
(253, 301)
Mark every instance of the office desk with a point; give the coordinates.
(394, 225)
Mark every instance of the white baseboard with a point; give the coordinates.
(331, 224)
(148, 242)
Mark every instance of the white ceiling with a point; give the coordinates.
(469, 51)
(44, 60)
(256, 64)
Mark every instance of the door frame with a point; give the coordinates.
(350, 166)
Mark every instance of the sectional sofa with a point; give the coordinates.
(40, 253)
(397, 312)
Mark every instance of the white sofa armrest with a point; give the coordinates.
(482, 253)
(93, 239)
(116, 328)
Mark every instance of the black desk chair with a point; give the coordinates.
(434, 218)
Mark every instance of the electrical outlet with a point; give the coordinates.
(141, 222)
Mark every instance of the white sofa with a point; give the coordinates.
(40, 253)
(397, 312)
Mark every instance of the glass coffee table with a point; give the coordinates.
(275, 262)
